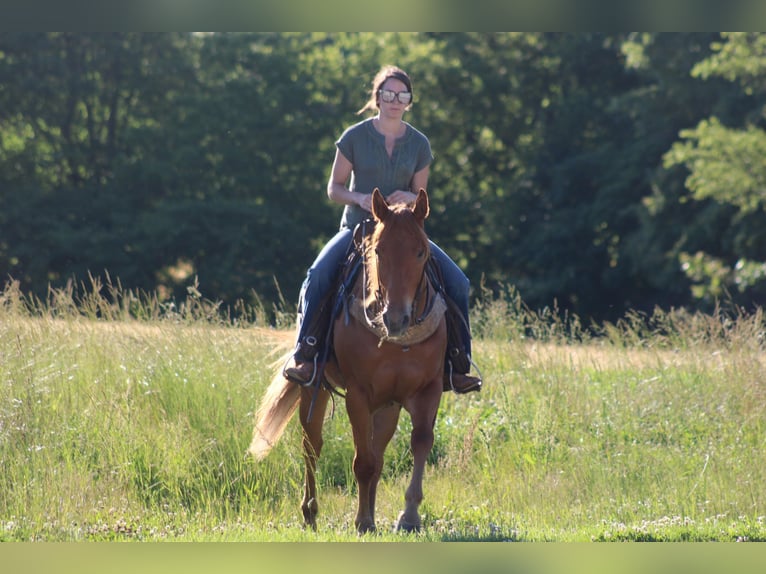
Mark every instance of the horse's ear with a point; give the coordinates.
(380, 208)
(421, 208)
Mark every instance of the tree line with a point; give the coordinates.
(596, 172)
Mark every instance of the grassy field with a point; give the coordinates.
(122, 419)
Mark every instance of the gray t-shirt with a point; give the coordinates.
(365, 148)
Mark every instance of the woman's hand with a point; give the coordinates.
(401, 196)
(364, 201)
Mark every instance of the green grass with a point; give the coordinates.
(125, 419)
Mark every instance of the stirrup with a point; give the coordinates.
(479, 379)
(302, 352)
(475, 366)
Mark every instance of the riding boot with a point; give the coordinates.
(304, 369)
(456, 377)
(461, 383)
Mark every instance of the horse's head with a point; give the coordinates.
(396, 257)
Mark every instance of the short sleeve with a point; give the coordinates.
(425, 155)
(345, 145)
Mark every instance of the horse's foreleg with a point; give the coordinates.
(384, 426)
(421, 440)
(312, 447)
(364, 457)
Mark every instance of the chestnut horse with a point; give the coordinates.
(389, 346)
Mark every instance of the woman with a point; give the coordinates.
(385, 152)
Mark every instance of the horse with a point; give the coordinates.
(388, 347)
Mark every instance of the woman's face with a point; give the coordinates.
(394, 108)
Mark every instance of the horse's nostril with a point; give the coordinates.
(396, 325)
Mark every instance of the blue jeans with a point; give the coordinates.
(323, 274)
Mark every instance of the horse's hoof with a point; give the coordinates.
(403, 525)
(310, 525)
(366, 528)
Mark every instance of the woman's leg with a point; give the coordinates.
(320, 279)
(457, 287)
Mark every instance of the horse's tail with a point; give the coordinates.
(277, 407)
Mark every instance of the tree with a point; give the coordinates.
(172, 160)
(72, 106)
(727, 172)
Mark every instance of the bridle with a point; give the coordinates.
(424, 289)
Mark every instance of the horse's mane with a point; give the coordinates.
(402, 222)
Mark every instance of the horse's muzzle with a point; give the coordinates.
(396, 323)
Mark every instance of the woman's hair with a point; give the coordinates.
(380, 78)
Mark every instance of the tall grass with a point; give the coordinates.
(122, 417)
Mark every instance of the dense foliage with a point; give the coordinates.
(595, 172)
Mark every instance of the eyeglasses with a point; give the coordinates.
(389, 96)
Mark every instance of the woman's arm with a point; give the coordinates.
(336, 186)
